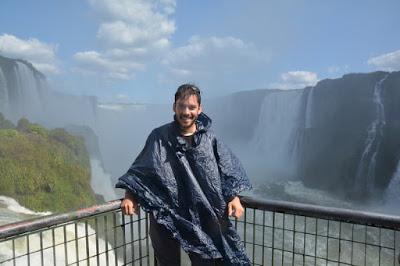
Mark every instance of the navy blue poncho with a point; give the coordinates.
(187, 189)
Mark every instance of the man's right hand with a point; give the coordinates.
(129, 205)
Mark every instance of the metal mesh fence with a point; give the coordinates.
(274, 233)
(284, 238)
(109, 238)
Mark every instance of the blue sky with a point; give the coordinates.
(141, 50)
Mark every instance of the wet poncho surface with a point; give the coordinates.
(187, 189)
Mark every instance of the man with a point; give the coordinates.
(189, 183)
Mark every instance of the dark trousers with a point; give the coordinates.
(168, 251)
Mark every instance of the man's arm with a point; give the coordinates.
(129, 205)
(233, 176)
(235, 208)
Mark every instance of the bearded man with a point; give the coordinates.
(189, 182)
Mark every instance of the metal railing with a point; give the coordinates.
(274, 233)
(286, 233)
(98, 235)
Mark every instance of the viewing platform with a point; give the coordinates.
(274, 233)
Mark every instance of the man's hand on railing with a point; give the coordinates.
(235, 208)
(129, 205)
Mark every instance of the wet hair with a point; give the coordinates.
(187, 90)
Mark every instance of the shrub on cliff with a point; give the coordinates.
(44, 169)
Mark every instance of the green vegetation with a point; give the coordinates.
(44, 169)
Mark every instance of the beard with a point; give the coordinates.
(186, 122)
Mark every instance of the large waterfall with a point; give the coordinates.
(315, 135)
(24, 92)
(275, 133)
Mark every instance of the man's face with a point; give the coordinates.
(187, 110)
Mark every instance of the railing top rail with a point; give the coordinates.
(9, 230)
(330, 213)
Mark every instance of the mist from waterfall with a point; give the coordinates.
(101, 181)
(264, 133)
(275, 132)
(392, 195)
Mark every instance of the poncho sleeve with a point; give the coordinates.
(143, 177)
(233, 176)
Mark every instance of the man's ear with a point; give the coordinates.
(173, 107)
(200, 109)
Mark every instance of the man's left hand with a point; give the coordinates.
(235, 208)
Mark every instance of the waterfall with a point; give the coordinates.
(21, 92)
(365, 176)
(30, 104)
(309, 107)
(101, 181)
(24, 92)
(392, 196)
(277, 128)
(3, 93)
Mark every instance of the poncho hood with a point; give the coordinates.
(187, 189)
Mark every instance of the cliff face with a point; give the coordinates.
(340, 135)
(352, 144)
(44, 169)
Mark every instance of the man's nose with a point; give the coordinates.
(186, 110)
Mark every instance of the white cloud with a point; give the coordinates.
(388, 62)
(133, 32)
(295, 80)
(210, 58)
(110, 64)
(40, 54)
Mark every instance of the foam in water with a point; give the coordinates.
(11, 211)
(14, 206)
(365, 177)
(77, 247)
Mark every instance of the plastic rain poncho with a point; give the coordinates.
(187, 189)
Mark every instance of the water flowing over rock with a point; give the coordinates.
(365, 177)
(319, 135)
(340, 135)
(309, 108)
(275, 132)
(24, 92)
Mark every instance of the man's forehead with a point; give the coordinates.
(188, 99)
